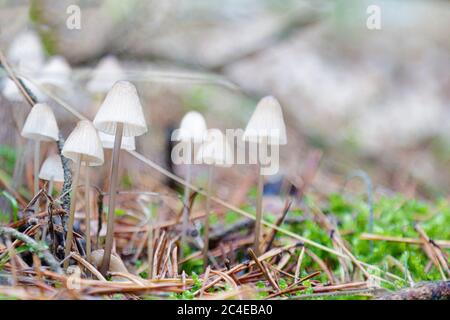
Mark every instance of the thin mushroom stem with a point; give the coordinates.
(259, 196)
(69, 236)
(87, 200)
(37, 151)
(187, 192)
(207, 212)
(112, 199)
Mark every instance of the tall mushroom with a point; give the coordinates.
(265, 127)
(192, 131)
(120, 115)
(40, 125)
(214, 152)
(83, 147)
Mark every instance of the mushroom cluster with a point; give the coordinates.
(120, 118)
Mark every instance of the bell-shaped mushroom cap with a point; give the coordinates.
(26, 52)
(192, 128)
(215, 150)
(128, 143)
(52, 169)
(41, 124)
(84, 144)
(56, 73)
(121, 105)
(266, 123)
(12, 93)
(105, 75)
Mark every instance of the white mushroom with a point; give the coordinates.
(192, 130)
(40, 125)
(214, 152)
(83, 147)
(26, 52)
(105, 75)
(120, 115)
(265, 127)
(56, 73)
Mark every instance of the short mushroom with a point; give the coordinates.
(56, 74)
(26, 52)
(40, 125)
(214, 152)
(265, 127)
(107, 72)
(120, 115)
(83, 147)
(52, 171)
(192, 130)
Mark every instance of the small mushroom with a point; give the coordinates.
(265, 127)
(83, 147)
(192, 130)
(56, 74)
(52, 171)
(120, 115)
(40, 125)
(26, 52)
(214, 152)
(105, 75)
(12, 93)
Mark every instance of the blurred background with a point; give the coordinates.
(371, 100)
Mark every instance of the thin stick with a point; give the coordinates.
(112, 199)
(299, 264)
(259, 196)
(187, 192)
(207, 212)
(150, 246)
(69, 236)
(87, 200)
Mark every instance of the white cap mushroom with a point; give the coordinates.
(192, 128)
(40, 124)
(26, 52)
(266, 123)
(216, 150)
(128, 143)
(56, 73)
(12, 93)
(121, 105)
(120, 115)
(84, 144)
(105, 75)
(52, 169)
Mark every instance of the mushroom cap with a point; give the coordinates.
(12, 93)
(56, 72)
(26, 52)
(215, 150)
(266, 123)
(84, 142)
(52, 169)
(128, 143)
(41, 124)
(121, 105)
(107, 72)
(192, 128)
